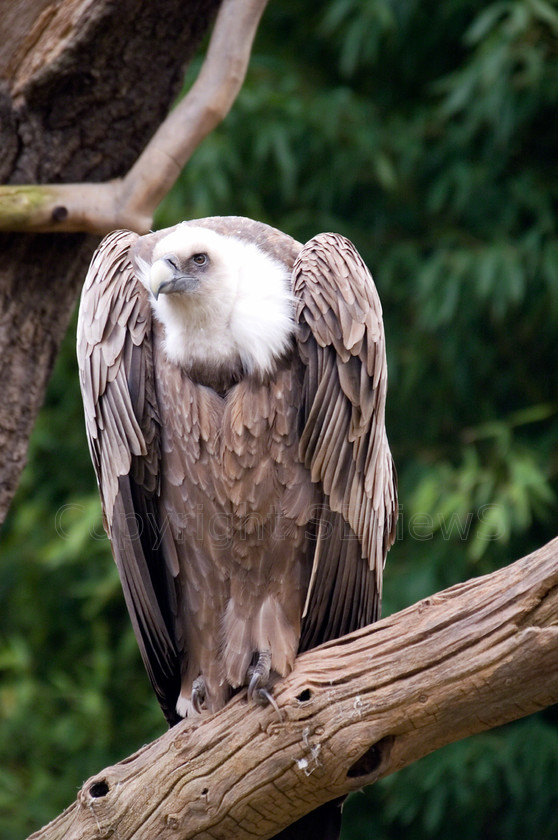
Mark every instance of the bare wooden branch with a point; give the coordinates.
(477, 655)
(130, 202)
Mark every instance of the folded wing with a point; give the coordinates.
(343, 437)
(115, 356)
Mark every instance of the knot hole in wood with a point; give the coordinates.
(371, 761)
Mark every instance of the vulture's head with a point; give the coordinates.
(224, 303)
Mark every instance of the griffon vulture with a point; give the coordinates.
(234, 387)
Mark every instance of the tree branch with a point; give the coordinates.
(130, 202)
(475, 656)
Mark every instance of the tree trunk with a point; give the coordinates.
(478, 655)
(83, 86)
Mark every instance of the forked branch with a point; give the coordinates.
(130, 202)
(473, 657)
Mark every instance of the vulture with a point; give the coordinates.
(234, 387)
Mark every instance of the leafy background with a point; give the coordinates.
(426, 133)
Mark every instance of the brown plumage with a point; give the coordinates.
(248, 490)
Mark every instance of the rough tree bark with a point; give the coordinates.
(475, 656)
(83, 86)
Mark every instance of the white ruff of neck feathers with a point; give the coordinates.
(241, 315)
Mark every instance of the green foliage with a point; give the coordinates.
(483, 787)
(427, 134)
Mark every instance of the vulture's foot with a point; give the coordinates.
(259, 682)
(258, 676)
(198, 694)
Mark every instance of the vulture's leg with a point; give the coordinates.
(258, 686)
(198, 693)
(258, 675)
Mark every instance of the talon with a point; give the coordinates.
(263, 697)
(198, 694)
(258, 674)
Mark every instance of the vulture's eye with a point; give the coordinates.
(200, 259)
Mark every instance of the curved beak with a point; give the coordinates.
(162, 277)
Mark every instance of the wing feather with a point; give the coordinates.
(343, 439)
(115, 357)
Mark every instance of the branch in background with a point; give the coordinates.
(475, 656)
(130, 202)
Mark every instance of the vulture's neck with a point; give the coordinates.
(242, 331)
